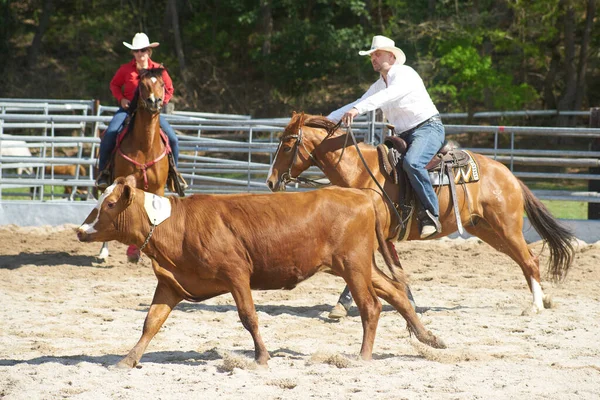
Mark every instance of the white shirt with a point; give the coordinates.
(404, 100)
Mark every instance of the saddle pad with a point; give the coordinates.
(465, 174)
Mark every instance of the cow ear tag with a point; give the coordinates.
(158, 208)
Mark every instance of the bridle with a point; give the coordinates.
(144, 167)
(287, 177)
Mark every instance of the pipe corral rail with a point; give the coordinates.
(227, 153)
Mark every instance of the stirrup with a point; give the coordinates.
(102, 180)
(430, 224)
(182, 181)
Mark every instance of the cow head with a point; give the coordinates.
(108, 219)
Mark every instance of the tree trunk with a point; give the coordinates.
(172, 7)
(567, 100)
(266, 26)
(584, 53)
(431, 9)
(36, 44)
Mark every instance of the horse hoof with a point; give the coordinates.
(548, 301)
(533, 310)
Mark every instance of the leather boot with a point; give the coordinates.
(103, 179)
(429, 224)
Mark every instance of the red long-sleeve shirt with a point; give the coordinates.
(126, 80)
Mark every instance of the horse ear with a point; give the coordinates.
(301, 119)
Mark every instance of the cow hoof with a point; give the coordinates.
(103, 256)
(126, 363)
(432, 341)
(338, 312)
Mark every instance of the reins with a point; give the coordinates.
(387, 197)
(143, 167)
(286, 177)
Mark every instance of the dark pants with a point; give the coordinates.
(109, 141)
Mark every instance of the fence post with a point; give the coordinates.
(594, 185)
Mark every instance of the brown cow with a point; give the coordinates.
(67, 170)
(208, 245)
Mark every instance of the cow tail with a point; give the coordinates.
(395, 269)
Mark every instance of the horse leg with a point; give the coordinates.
(165, 299)
(133, 254)
(394, 293)
(368, 305)
(247, 312)
(103, 255)
(508, 239)
(340, 310)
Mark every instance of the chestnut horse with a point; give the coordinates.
(142, 152)
(491, 209)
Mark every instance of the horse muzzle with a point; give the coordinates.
(153, 105)
(279, 184)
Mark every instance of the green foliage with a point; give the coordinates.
(248, 55)
(471, 77)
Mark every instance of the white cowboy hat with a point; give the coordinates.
(386, 44)
(140, 41)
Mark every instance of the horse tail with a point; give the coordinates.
(558, 237)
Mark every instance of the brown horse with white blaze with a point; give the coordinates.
(203, 246)
(491, 208)
(142, 151)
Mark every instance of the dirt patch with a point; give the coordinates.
(67, 320)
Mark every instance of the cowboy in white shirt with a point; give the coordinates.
(401, 95)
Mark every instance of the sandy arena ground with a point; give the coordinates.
(67, 319)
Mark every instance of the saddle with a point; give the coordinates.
(450, 166)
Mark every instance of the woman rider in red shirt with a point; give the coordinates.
(123, 86)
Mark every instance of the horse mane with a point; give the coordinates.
(152, 73)
(314, 121)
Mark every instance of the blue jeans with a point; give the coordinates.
(423, 144)
(109, 141)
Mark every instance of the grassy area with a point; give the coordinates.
(558, 208)
(567, 209)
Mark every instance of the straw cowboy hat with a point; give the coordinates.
(140, 41)
(386, 44)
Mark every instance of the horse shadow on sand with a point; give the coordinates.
(110, 360)
(47, 259)
(317, 311)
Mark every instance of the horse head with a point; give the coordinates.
(151, 90)
(296, 147)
